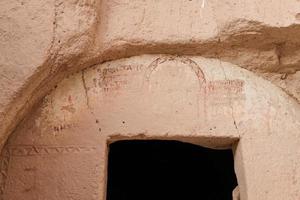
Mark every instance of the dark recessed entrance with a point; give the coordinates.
(168, 170)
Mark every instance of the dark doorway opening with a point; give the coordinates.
(168, 170)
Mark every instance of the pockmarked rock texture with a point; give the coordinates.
(43, 41)
(62, 146)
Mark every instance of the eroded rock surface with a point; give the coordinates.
(42, 42)
(62, 145)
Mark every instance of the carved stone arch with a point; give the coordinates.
(252, 117)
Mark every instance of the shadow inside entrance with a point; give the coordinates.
(168, 170)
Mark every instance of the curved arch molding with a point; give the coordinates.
(192, 99)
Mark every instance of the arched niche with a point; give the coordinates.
(60, 150)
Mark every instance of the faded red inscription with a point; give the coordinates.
(225, 91)
(113, 79)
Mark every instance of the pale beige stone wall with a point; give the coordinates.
(191, 99)
(42, 41)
